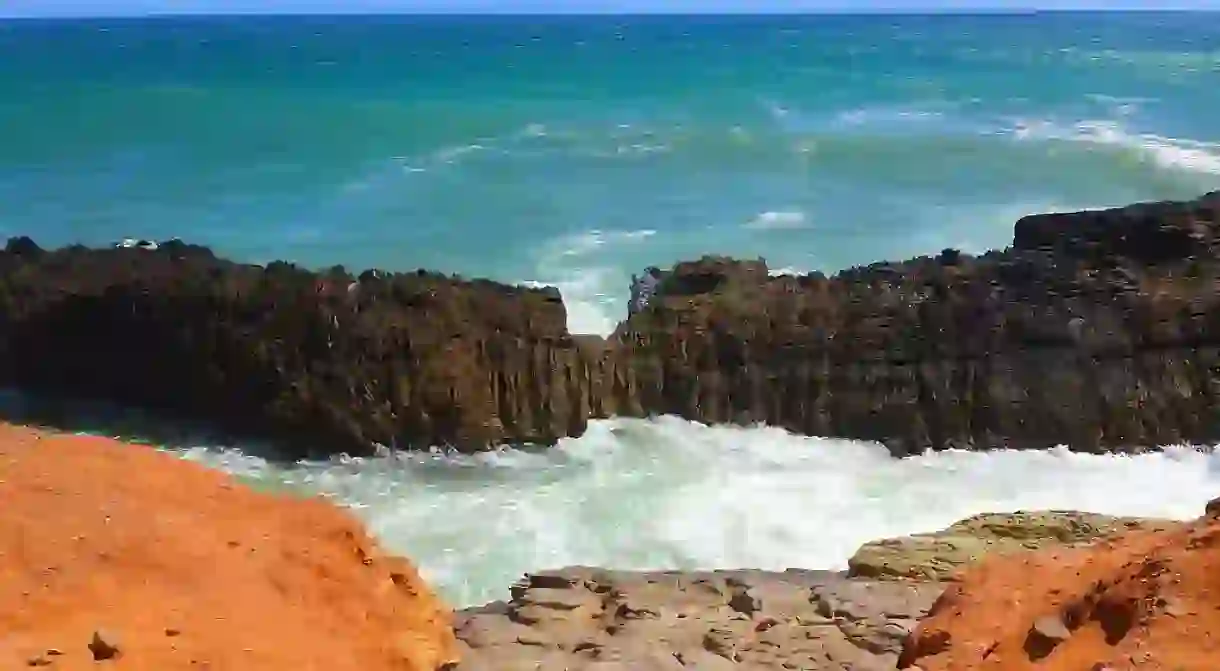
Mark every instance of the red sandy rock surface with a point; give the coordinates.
(178, 567)
(1145, 600)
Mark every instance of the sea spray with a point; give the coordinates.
(671, 494)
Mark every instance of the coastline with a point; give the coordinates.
(1094, 329)
(220, 451)
(861, 619)
(868, 618)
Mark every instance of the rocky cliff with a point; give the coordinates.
(1095, 329)
(323, 362)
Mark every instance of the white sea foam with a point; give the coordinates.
(1164, 152)
(778, 220)
(455, 153)
(1120, 105)
(667, 493)
(877, 115)
(533, 130)
(592, 307)
(582, 244)
(594, 291)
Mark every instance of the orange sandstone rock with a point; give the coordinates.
(118, 557)
(1147, 600)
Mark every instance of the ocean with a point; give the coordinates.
(575, 151)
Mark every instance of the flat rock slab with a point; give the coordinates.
(584, 619)
(939, 555)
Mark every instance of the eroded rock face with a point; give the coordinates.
(1098, 330)
(592, 619)
(586, 618)
(323, 362)
(1141, 600)
(118, 557)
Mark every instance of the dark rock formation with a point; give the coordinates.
(1096, 329)
(323, 362)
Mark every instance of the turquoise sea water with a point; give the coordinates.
(575, 151)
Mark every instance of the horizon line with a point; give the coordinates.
(853, 11)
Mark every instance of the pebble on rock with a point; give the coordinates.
(104, 646)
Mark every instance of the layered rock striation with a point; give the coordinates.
(1096, 329)
(321, 362)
